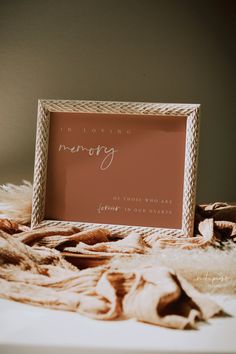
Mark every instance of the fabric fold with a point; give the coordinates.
(153, 294)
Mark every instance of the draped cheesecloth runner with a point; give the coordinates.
(33, 270)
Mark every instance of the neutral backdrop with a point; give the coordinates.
(128, 50)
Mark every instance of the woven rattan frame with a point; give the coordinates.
(191, 111)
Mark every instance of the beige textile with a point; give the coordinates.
(157, 295)
(214, 224)
(32, 270)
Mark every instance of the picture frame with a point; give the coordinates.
(175, 125)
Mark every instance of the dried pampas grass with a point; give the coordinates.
(16, 202)
(209, 270)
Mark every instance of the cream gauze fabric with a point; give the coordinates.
(155, 294)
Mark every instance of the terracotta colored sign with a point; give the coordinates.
(122, 169)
